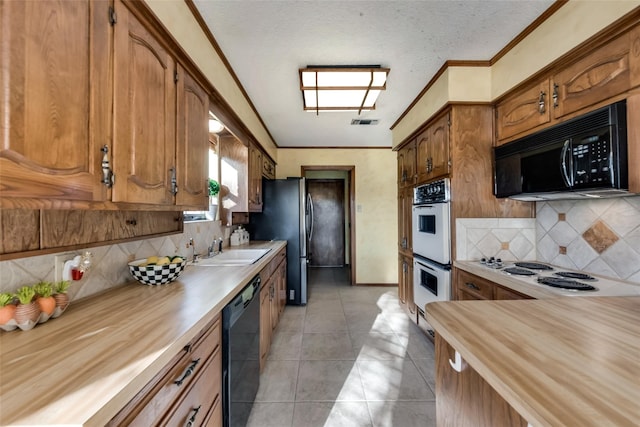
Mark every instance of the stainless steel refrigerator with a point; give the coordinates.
(287, 214)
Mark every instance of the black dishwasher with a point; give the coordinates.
(241, 354)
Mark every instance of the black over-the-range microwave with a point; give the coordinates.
(583, 157)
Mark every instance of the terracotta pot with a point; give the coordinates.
(26, 312)
(62, 300)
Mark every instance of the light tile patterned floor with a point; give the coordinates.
(350, 358)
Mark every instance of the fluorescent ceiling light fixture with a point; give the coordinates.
(342, 88)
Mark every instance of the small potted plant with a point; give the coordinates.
(45, 299)
(7, 308)
(27, 312)
(61, 297)
(214, 189)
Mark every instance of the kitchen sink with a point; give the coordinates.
(233, 257)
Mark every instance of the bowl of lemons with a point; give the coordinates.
(157, 270)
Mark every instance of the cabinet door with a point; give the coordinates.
(422, 157)
(145, 119)
(409, 286)
(439, 147)
(634, 56)
(265, 324)
(192, 145)
(600, 75)
(268, 167)
(405, 205)
(255, 178)
(523, 110)
(282, 288)
(407, 165)
(275, 310)
(55, 91)
(402, 271)
(465, 399)
(234, 158)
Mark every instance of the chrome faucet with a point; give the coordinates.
(194, 255)
(215, 248)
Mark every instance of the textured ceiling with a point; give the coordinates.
(266, 42)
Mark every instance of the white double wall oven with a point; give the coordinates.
(431, 234)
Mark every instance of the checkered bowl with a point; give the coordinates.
(156, 274)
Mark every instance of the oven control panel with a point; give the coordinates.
(433, 192)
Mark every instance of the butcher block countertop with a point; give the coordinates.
(558, 362)
(83, 367)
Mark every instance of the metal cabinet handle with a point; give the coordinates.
(191, 421)
(542, 107)
(555, 95)
(107, 173)
(472, 286)
(174, 181)
(187, 373)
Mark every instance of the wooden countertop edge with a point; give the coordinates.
(445, 318)
(184, 333)
(525, 410)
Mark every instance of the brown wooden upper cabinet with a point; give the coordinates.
(583, 84)
(407, 165)
(432, 150)
(255, 178)
(268, 167)
(58, 102)
(94, 68)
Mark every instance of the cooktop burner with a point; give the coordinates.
(533, 265)
(519, 271)
(573, 275)
(557, 282)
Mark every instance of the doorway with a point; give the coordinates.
(327, 244)
(345, 175)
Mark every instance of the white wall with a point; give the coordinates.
(376, 204)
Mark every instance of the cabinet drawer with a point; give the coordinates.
(475, 286)
(504, 293)
(523, 110)
(159, 395)
(199, 400)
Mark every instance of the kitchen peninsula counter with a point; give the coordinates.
(83, 367)
(557, 362)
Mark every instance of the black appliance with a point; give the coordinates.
(241, 354)
(287, 214)
(583, 157)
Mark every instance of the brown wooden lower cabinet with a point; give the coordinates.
(273, 294)
(465, 399)
(191, 380)
(467, 286)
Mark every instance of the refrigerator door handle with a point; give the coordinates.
(310, 202)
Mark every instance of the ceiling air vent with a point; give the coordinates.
(364, 122)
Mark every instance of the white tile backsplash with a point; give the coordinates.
(621, 216)
(548, 238)
(485, 237)
(109, 268)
